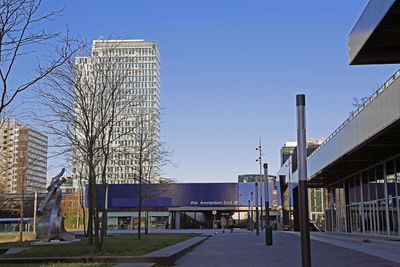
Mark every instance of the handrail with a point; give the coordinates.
(358, 110)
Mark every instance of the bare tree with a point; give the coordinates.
(359, 102)
(150, 192)
(21, 32)
(83, 109)
(146, 154)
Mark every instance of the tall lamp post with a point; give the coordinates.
(268, 230)
(251, 212)
(257, 225)
(259, 160)
(249, 216)
(302, 171)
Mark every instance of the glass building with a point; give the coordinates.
(367, 201)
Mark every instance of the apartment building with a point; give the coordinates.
(23, 157)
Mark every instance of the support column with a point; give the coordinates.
(386, 201)
(177, 220)
(362, 205)
(346, 226)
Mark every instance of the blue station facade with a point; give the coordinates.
(183, 205)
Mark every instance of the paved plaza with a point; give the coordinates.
(244, 248)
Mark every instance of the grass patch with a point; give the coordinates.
(122, 245)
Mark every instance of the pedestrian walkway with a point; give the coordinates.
(387, 249)
(244, 248)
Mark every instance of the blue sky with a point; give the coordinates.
(231, 70)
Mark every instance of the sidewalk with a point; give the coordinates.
(244, 248)
(389, 250)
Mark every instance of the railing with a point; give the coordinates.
(358, 110)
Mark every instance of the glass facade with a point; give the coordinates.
(367, 202)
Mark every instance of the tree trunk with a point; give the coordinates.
(92, 204)
(96, 230)
(96, 219)
(21, 217)
(103, 229)
(90, 215)
(139, 213)
(83, 213)
(146, 224)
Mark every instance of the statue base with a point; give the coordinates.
(54, 242)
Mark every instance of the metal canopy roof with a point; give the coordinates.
(375, 39)
(381, 146)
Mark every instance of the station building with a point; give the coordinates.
(184, 205)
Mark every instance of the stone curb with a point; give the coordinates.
(163, 257)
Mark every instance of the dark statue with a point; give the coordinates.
(50, 225)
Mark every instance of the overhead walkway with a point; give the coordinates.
(368, 136)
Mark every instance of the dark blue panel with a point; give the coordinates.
(134, 202)
(99, 196)
(179, 195)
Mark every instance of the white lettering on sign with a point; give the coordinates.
(208, 203)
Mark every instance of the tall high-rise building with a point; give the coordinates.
(23, 158)
(137, 65)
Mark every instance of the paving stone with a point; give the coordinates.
(244, 248)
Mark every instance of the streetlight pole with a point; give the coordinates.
(249, 217)
(257, 215)
(251, 212)
(268, 230)
(302, 170)
(259, 160)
